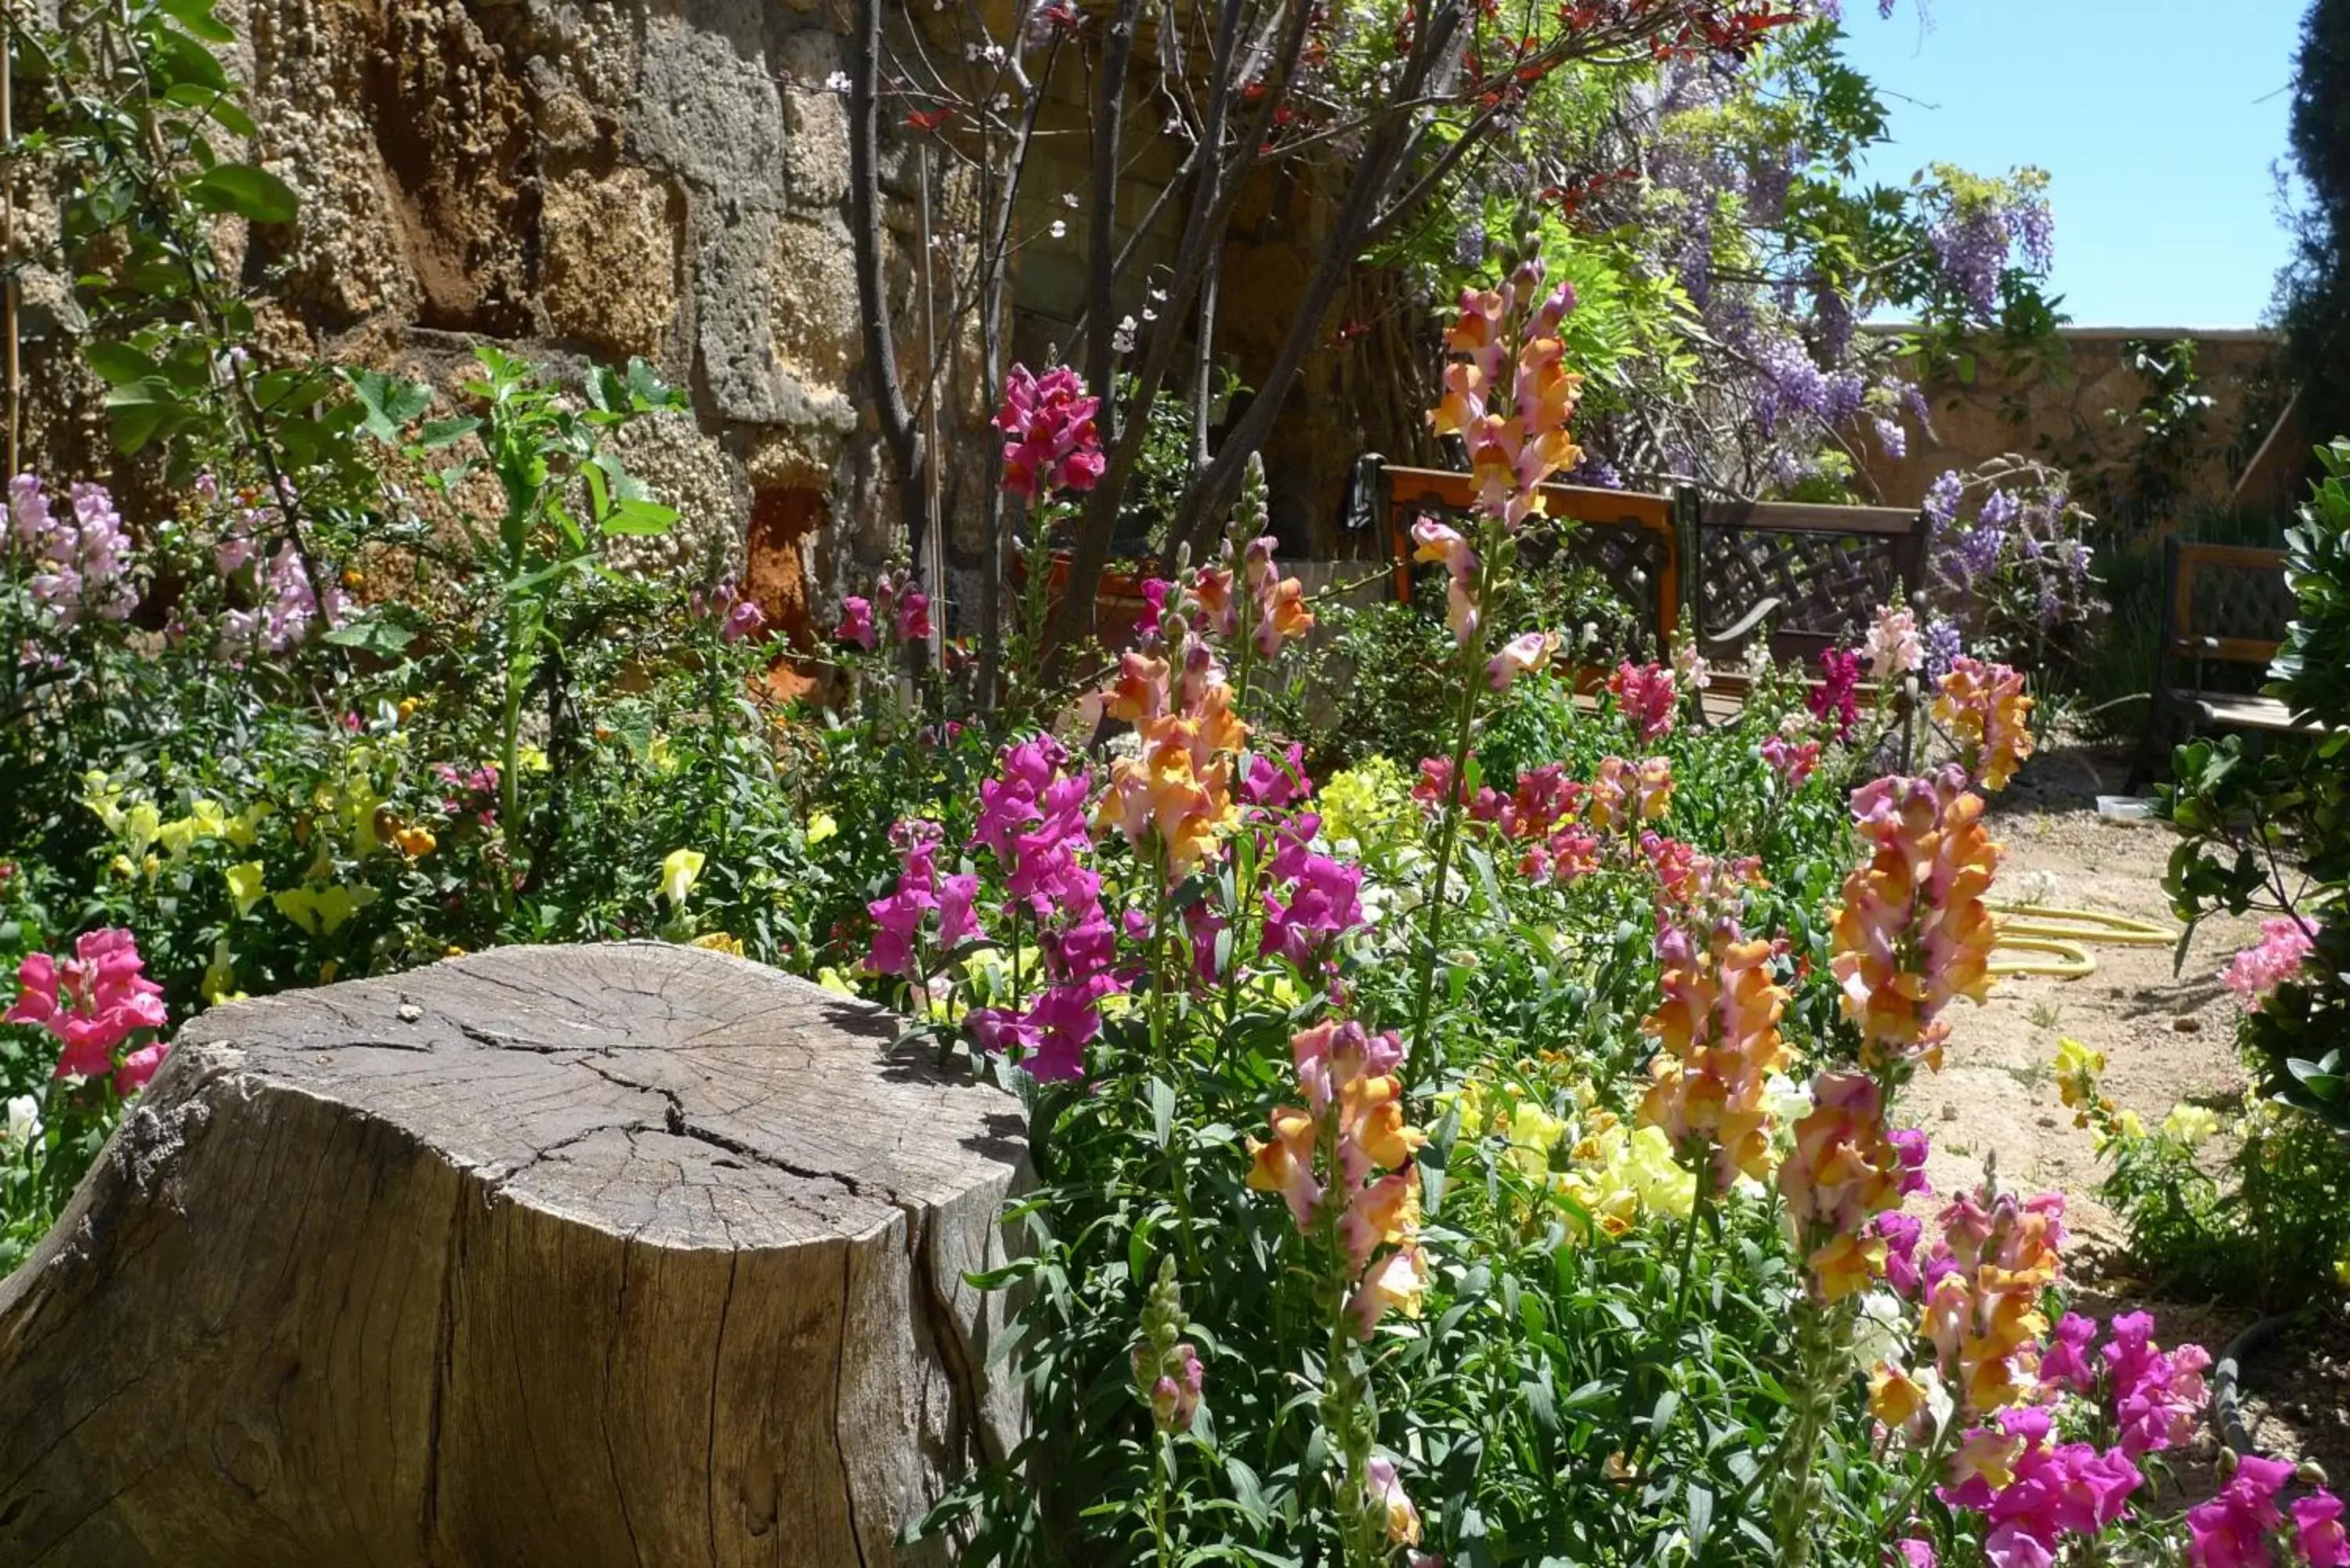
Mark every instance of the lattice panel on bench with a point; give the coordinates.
(1829, 585)
(2254, 602)
(1631, 559)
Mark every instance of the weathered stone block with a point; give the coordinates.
(608, 258)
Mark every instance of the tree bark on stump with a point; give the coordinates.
(568, 1256)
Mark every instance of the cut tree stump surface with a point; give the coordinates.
(573, 1256)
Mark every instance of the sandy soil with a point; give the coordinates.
(2165, 1037)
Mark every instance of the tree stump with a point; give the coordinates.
(567, 1256)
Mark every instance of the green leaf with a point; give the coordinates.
(136, 424)
(1700, 1514)
(118, 363)
(196, 16)
(250, 192)
(391, 404)
(373, 634)
(1162, 1112)
(640, 519)
(446, 433)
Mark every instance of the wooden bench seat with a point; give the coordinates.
(2222, 605)
(2232, 710)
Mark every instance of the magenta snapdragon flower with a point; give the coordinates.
(94, 1002)
(1836, 698)
(1054, 442)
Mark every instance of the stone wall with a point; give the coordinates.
(2068, 409)
(589, 180)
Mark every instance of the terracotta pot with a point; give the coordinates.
(1119, 604)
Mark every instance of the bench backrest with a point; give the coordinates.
(1627, 535)
(1825, 570)
(2228, 603)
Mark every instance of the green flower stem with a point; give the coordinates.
(1821, 1336)
(1164, 1551)
(1472, 660)
(1937, 1454)
(1698, 1206)
(1345, 1417)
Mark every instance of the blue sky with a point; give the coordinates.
(2157, 121)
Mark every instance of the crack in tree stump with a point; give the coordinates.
(635, 1254)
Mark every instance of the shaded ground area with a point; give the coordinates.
(2165, 1037)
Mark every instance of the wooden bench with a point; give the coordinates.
(1815, 575)
(2222, 604)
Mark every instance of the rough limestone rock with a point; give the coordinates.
(631, 1254)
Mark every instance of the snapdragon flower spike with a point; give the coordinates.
(1176, 796)
(898, 917)
(1281, 610)
(1314, 900)
(1508, 393)
(1983, 1283)
(1343, 1164)
(94, 1002)
(1167, 1373)
(1894, 647)
(1836, 699)
(1646, 697)
(1985, 710)
(1054, 444)
(1914, 933)
(1793, 760)
(1841, 1175)
(2155, 1397)
(1717, 1032)
(81, 562)
(1627, 794)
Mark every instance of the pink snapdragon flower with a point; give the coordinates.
(898, 917)
(1647, 696)
(857, 623)
(286, 611)
(94, 1002)
(1276, 783)
(1793, 760)
(2268, 964)
(1054, 442)
(1315, 900)
(1440, 542)
(81, 562)
(1522, 655)
(2232, 1530)
(2051, 1490)
(913, 614)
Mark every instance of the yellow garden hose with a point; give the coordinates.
(2066, 935)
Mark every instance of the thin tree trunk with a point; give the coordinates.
(1213, 492)
(1210, 212)
(1110, 124)
(900, 430)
